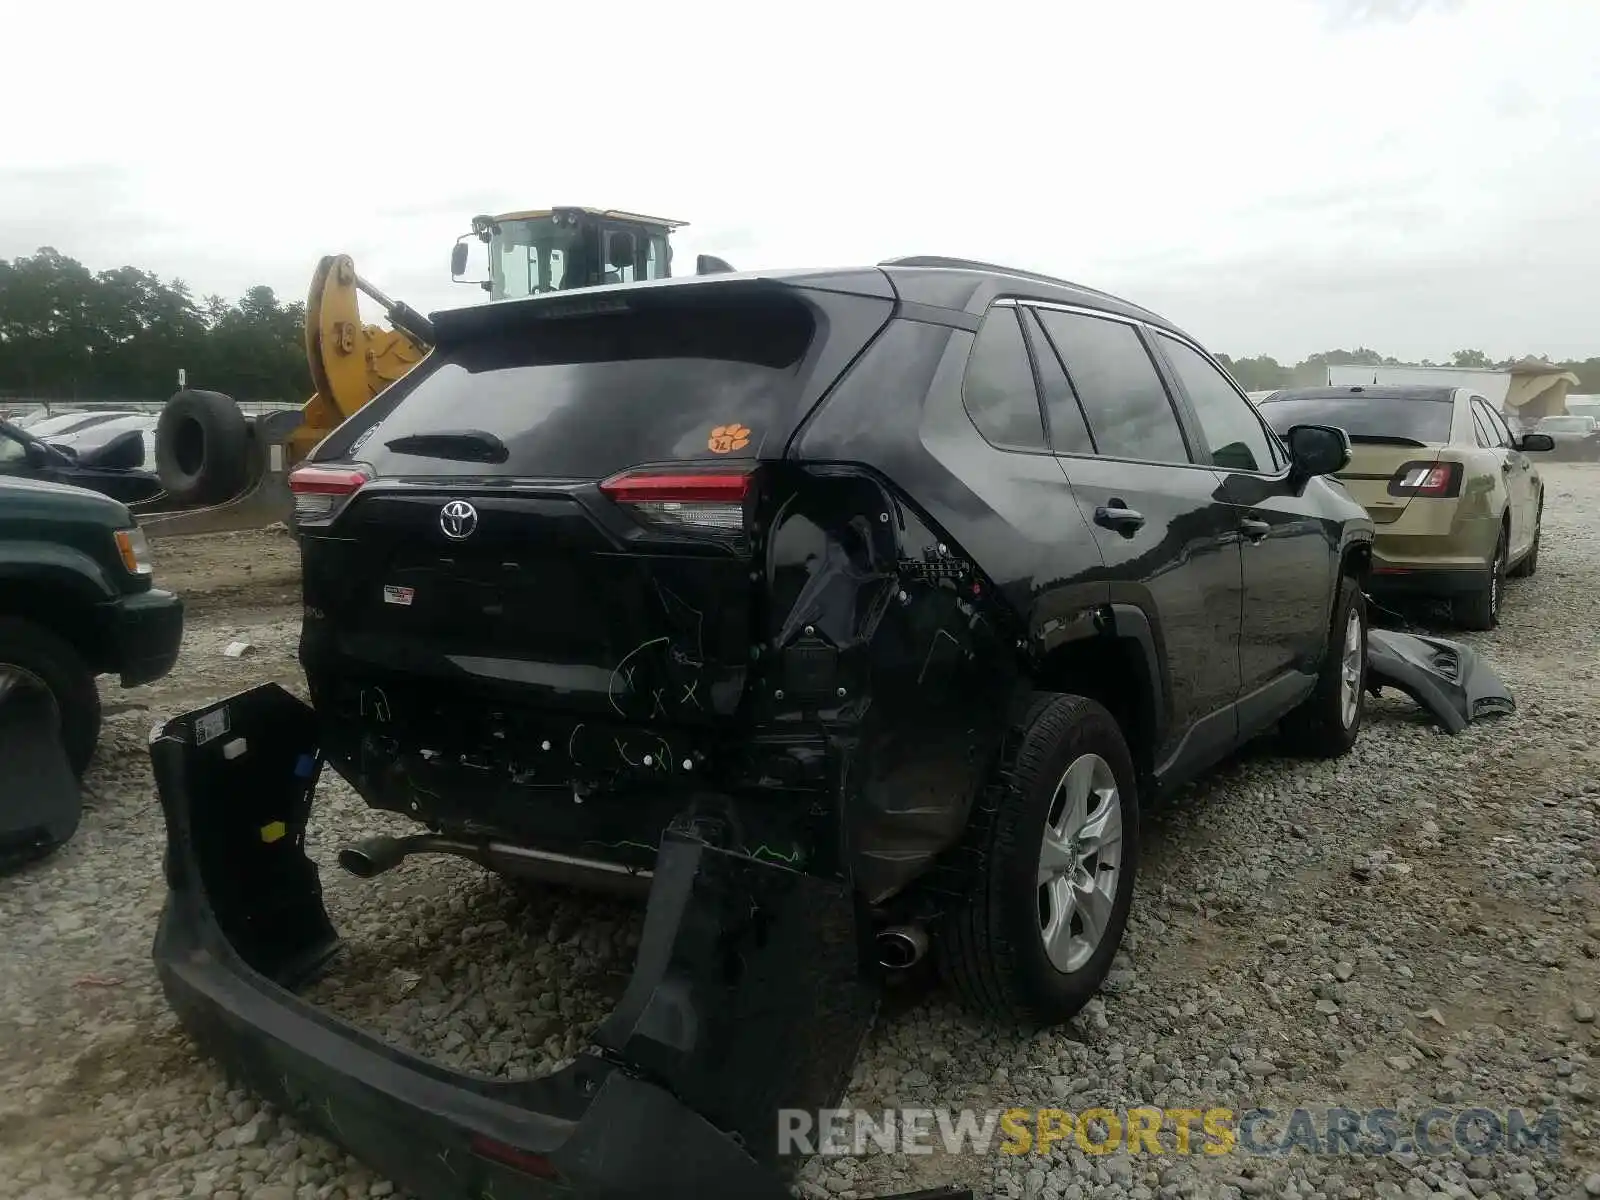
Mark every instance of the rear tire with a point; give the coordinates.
(1530, 561)
(1480, 610)
(1327, 722)
(1021, 947)
(202, 448)
(44, 657)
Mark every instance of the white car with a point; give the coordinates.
(50, 429)
(1575, 437)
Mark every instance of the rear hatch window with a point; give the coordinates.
(1367, 418)
(683, 378)
(1391, 441)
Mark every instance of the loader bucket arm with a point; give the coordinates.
(352, 362)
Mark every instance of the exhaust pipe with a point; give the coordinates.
(373, 856)
(901, 947)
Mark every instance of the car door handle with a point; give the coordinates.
(1117, 516)
(1254, 531)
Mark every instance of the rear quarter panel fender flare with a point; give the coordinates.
(1136, 638)
(1355, 553)
(1133, 623)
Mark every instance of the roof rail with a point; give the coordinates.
(971, 264)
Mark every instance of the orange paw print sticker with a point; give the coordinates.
(725, 439)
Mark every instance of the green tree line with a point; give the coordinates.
(67, 333)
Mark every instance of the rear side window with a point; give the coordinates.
(1499, 432)
(584, 397)
(1485, 437)
(1068, 432)
(1129, 412)
(1235, 434)
(999, 390)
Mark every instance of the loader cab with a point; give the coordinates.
(558, 250)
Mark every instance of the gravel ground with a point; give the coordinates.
(1417, 923)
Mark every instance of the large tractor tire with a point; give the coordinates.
(202, 448)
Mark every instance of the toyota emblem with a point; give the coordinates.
(458, 519)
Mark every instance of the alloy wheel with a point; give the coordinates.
(1350, 666)
(1080, 862)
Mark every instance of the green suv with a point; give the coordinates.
(76, 602)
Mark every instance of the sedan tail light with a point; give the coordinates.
(699, 501)
(320, 492)
(1427, 479)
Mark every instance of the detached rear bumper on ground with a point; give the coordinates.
(746, 998)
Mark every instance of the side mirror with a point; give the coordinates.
(458, 259)
(1536, 442)
(1318, 449)
(710, 264)
(37, 454)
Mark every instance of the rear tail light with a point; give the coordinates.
(319, 492)
(701, 501)
(1427, 479)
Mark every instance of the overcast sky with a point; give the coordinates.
(1277, 176)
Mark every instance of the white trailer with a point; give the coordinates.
(1529, 390)
(1491, 385)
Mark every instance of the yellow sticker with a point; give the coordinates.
(273, 831)
(725, 439)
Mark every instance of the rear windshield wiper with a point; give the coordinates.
(462, 445)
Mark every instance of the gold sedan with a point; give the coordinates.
(1455, 497)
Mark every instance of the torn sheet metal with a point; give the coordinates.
(39, 804)
(1449, 679)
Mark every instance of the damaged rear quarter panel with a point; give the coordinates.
(897, 649)
(990, 551)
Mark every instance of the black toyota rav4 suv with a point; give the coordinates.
(852, 613)
(791, 556)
